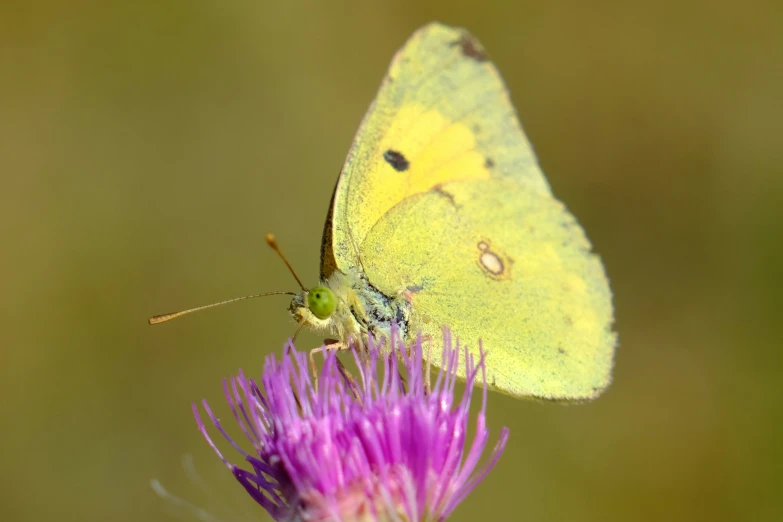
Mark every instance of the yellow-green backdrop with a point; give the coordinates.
(146, 147)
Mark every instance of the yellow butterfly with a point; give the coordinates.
(442, 217)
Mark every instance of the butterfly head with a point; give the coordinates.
(331, 308)
(315, 307)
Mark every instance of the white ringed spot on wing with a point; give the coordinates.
(491, 262)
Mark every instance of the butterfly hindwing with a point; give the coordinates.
(500, 263)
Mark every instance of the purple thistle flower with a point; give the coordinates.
(372, 449)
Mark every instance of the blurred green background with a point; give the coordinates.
(146, 147)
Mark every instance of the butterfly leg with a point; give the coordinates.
(313, 367)
(329, 345)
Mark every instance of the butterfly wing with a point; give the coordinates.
(497, 262)
(442, 113)
(441, 200)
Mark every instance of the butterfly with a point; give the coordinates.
(441, 216)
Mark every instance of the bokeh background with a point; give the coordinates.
(146, 147)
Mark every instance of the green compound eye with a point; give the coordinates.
(321, 301)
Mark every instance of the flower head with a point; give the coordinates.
(375, 448)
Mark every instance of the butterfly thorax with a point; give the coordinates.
(360, 309)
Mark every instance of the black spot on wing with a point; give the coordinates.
(471, 48)
(489, 163)
(398, 162)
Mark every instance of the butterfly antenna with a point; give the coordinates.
(162, 318)
(272, 242)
